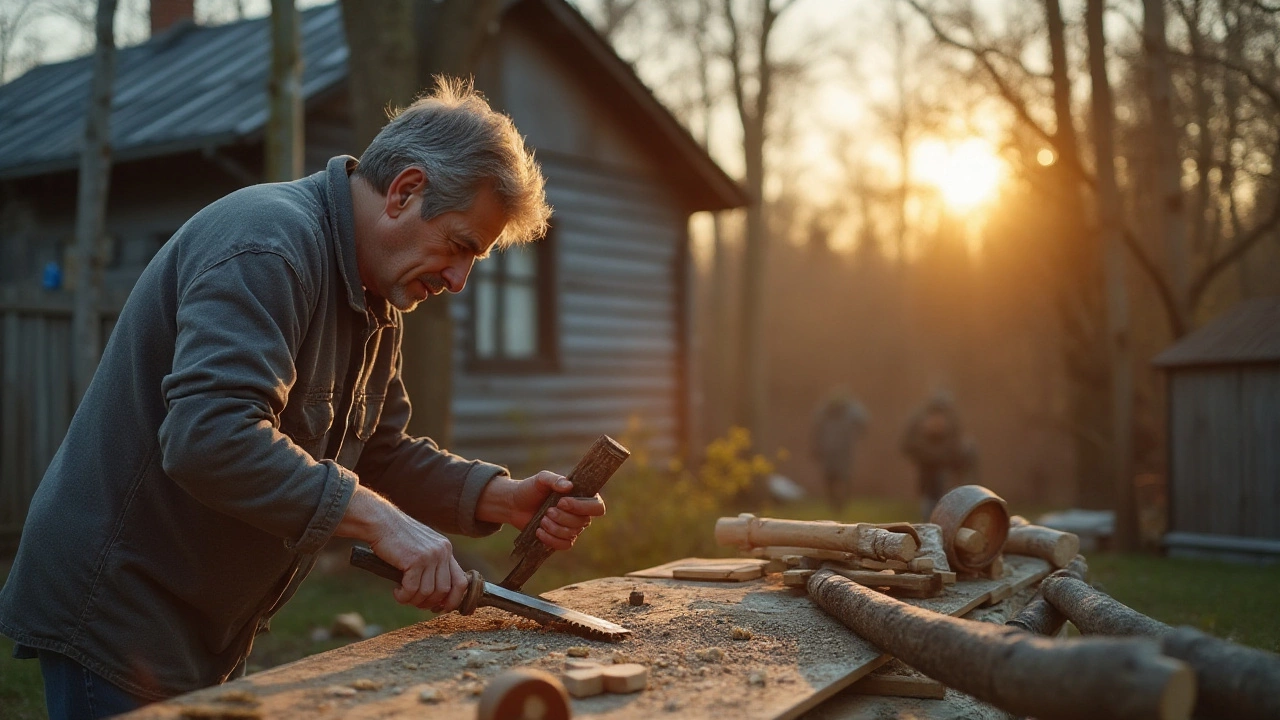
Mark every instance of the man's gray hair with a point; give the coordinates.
(461, 144)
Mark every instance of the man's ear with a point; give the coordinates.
(410, 182)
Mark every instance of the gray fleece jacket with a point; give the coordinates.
(246, 389)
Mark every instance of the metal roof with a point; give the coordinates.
(188, 87)
(194, 87)
(1247, 333)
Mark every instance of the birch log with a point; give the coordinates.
(748, 531)
(1234, 681)
(1040, 616)
(1097, 678)
(1055, 546)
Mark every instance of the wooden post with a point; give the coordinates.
(1096, 678)
(748, 531)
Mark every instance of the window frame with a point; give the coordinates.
(546, 358)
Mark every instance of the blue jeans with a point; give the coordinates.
(74, 692)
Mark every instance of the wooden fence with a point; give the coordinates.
(36, 390)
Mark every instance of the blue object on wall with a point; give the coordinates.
(52, 279)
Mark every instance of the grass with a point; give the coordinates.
(1231, 601)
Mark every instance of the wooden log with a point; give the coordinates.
(1096, 613)
(1234, 681)
(1015, 671)
(1055, 546)
(864, 540)
(781, 552)
(1040, 616)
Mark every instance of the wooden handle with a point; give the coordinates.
(748, 531)
(364, 558)
(602, 460)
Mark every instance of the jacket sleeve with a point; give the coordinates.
(240, 322)
(434, 486)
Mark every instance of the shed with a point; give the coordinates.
(555, 343)
(1224, 435)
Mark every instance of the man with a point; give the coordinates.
(837, 424)
(936, 443)
(249, 406)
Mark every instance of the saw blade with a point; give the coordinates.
(546, 613)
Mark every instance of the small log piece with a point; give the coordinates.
(1040, 616)
(1055, 546)
(908, 584)
(1234, 681)
(864, 540)
(1091, 677)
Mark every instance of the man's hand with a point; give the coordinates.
(432, 578)
(515, 502)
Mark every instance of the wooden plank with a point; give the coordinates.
(911, 686)
(699, 565)
(796, 658)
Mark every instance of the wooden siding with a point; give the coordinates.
(1225, 451)
(36, 392)
(617, 241)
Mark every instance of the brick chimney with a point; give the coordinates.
(166, 13)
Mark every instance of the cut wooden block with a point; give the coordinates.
(796, 578)
(948, 577)
(667, 570)
(921, 565)
(625, 678)
(746, 570)
(912, 686)
(584, 682)
(999, 594)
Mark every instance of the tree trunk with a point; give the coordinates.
(1234, 681)
(284, 141)
(1013, 670)
(1169, 221)
(91, 204)
(1109, 222)
(387, 70)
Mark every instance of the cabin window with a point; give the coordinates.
(513, 310)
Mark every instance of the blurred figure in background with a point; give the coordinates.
(837, 424)
(936, 443)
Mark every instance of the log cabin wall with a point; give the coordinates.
(1225, 450)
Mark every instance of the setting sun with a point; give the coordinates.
(967, 174)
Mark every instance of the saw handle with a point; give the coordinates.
(365, 559)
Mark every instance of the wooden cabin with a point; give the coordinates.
(1224, 436)
(555, 344)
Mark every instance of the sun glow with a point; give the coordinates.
(967, 173)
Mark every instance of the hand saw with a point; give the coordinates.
(481, 593)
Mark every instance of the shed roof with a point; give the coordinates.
(1247, 333)
(194, 87)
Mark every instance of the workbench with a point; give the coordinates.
(791, 658)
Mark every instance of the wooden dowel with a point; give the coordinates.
(1055, 546)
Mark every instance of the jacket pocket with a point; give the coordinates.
(308, 416)
(370, 413)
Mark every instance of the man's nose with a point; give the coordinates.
(455, 275)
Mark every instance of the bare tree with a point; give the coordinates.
(395, 48)
(284, 139)
(1109, 219)
(91, 204)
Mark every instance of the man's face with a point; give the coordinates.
(409, 259)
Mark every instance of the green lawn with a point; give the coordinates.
(1231, 601)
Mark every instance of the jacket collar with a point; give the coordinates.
(342, 221)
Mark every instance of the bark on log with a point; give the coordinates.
(1095, 612)
(1055, 546)
(1234, 681)
(748, 531)
(1040, 616)
(931, 545)
(1017, 672)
